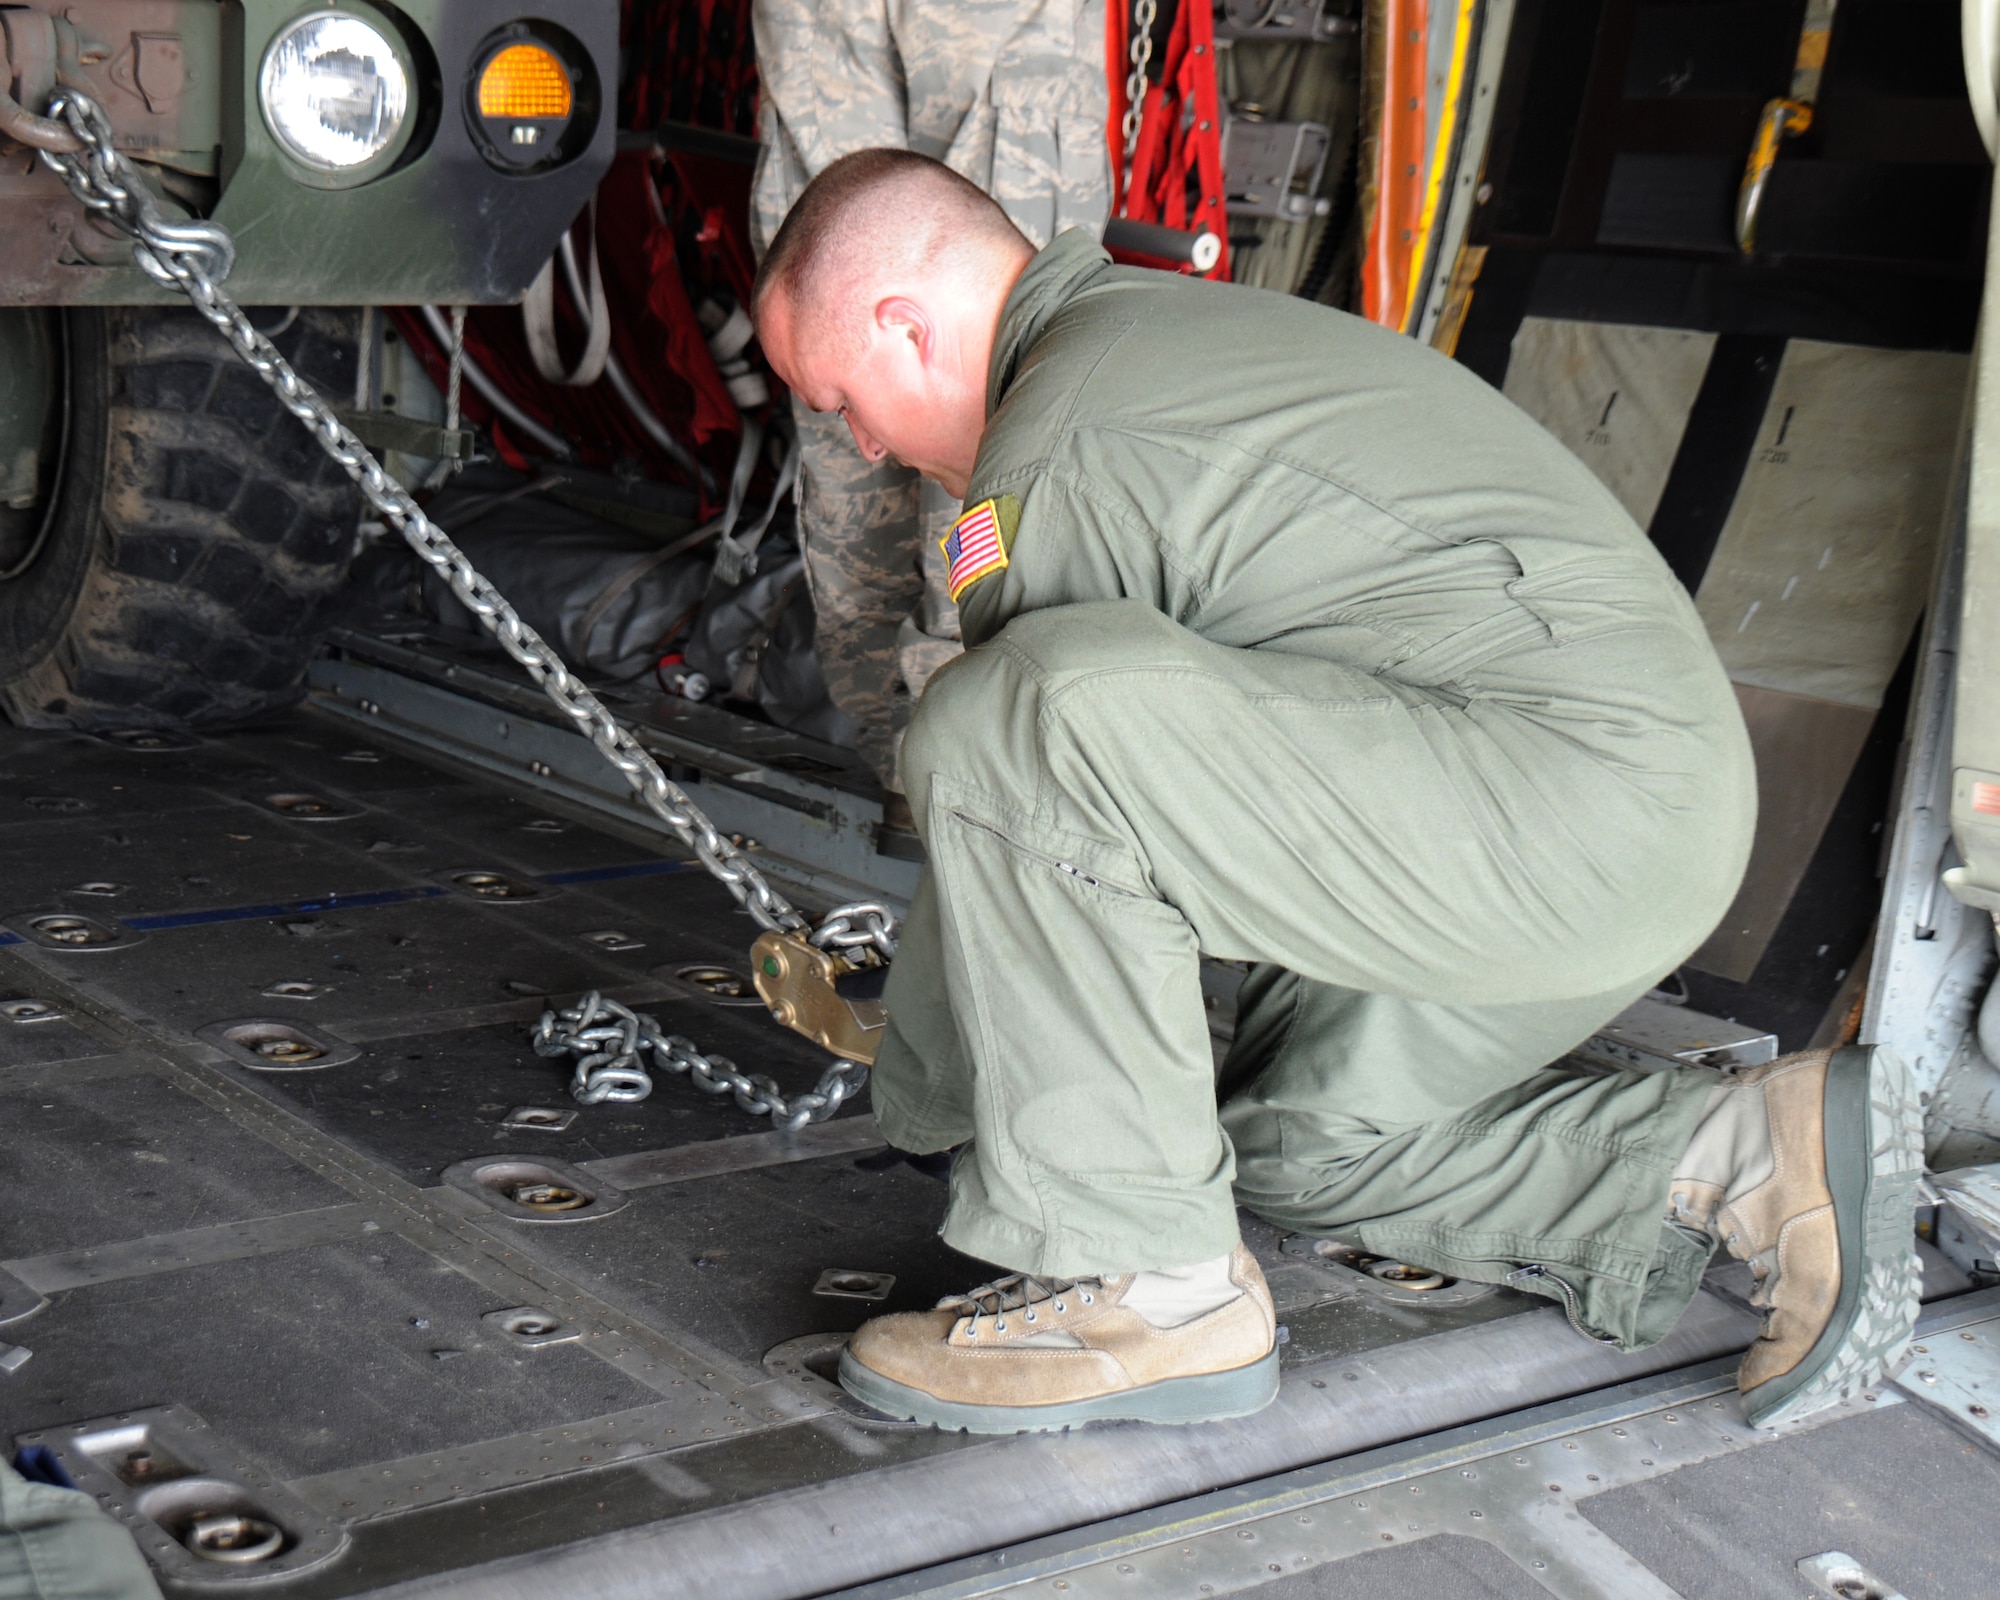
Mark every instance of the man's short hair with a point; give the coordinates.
(888, 206)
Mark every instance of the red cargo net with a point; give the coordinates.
(1175, 175)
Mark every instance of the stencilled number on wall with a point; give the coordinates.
(1775, 454)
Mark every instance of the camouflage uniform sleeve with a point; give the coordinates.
(1029, 128)
(1051, 165)
(1008, 93)
(830, 82)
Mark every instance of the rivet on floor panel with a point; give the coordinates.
(550, 1119)
(148, 739)
(612, 940)
(302, 807)
(295, 989)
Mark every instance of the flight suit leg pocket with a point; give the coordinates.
(1079, 1004)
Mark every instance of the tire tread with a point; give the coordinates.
(223, 536)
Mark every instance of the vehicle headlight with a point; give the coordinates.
(335, 91)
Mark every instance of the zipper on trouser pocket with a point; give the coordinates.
(1048, 860)
(1565, 1292)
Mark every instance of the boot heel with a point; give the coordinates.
(1207, 1398)
(1874, 1155)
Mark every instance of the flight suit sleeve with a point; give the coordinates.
(1059, 544)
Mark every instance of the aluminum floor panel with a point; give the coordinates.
(1911, 1498)
(734, 1258)
(57, 1037)
(103, 1160)
(288, 1269)
(313, 756)
(312, 1360)
(247, 856)
(376, 962)
(420, 1102)
(1448, 1566)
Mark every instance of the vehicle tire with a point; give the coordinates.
(192, 536)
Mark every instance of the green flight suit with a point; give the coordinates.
(1310, 651)
(59, 1544)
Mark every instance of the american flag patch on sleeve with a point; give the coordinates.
(974, 548)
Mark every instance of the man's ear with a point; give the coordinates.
(902, 318)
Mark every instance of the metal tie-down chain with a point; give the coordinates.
(195, 257)
(609, 1040)
(1144, 15)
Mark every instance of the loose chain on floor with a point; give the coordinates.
(608, 1041)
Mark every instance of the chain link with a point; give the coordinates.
(1144, 15)
(195, 257)
(609, 1042)
(864, 922)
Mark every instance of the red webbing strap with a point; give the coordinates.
(1204, 137)
(1149, 157)
(1176, 173)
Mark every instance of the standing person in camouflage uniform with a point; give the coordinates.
(1008, 93)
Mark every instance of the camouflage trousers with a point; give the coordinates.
(1009, 93)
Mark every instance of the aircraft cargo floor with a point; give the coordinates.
(266, 1084)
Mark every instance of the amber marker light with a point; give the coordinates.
(523, 99)
(525, 83)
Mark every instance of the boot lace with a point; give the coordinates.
(1024, 1295)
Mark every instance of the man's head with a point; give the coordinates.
(879, 299)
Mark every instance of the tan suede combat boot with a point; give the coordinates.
(1024, 1353)
(1807, 1169)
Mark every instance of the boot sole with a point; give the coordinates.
(1874, 1156)
(1209, 1397)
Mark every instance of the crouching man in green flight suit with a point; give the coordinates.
(1293, 643)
